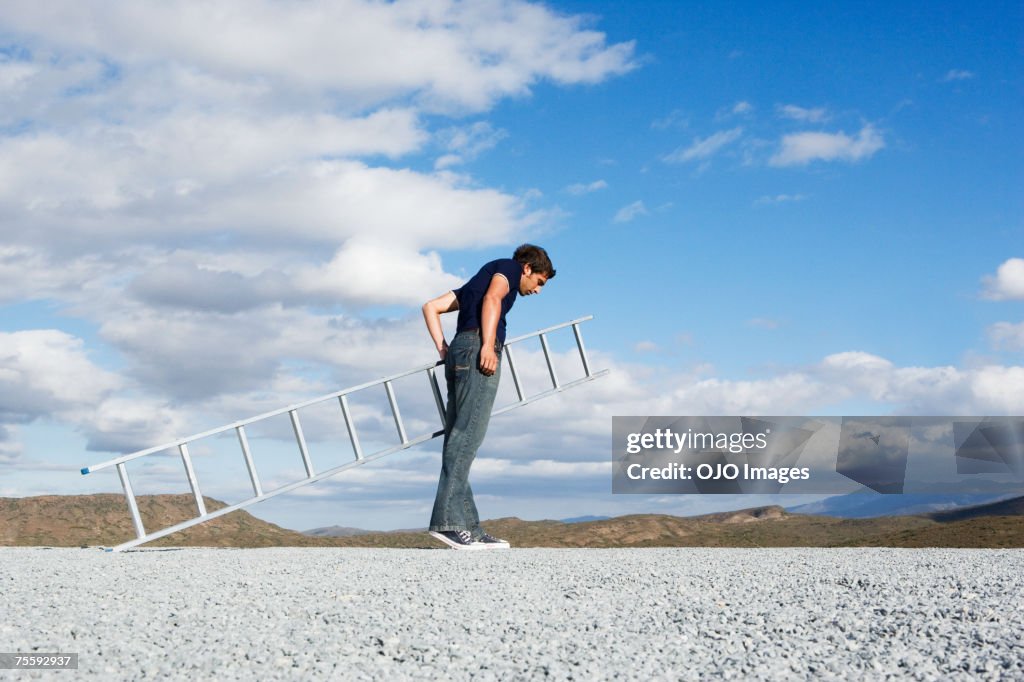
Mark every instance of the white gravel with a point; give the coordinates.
(689, 614)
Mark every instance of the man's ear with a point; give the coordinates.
(527, 270)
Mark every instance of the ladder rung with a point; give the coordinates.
(547, 357)
(351, 426)
(192, 481)
(436, 390)
(395, 413)
(133, 506)
(297, 427)
(512, 368)
(253, 477)
(583, 352)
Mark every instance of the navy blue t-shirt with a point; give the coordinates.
(471, 294)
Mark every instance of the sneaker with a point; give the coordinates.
(457, 539)
(492, 542)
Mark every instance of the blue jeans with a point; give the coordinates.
(470, 399)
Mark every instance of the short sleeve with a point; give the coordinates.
(513, 272)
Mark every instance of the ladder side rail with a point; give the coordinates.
(389, 389)
(549, 392)
(548, 329)
(254, 478)
(245, 422)
(133, 506)
(266, 415)
(193, 482)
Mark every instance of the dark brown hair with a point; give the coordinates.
(536, 258)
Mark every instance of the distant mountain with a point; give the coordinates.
(1011, 507)
(89, 520)
(336, 532)
(868, 504)
(584, 519)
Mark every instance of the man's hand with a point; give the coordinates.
(432, 311)
(488, 360)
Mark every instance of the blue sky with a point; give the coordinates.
(768, 209)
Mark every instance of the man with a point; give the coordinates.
(471, 365)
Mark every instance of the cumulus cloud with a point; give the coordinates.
(222, 195)
(453, 54)
(796, 113)
(1007, 336)
(799, 149)
(704, 148)
(957, 75)
(628, 213)
(779, 198)
(47, 374)
(1007, 283)
(467, 143)
(675, 119)
(46, 370)
(580, 188)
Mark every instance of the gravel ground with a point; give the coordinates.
(687, 614)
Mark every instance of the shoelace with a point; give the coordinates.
(464, 536)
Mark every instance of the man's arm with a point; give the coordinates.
(491, 312)
(432, 311)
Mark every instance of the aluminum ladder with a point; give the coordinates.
(360, 458)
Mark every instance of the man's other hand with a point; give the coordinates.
(488, 361)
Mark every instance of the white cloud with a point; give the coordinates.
(452, 54)
(676, 119)
(579, 188)
(628, 213)
(1007, 283)
(743, 107)
(704, 148)
(44, 371)
(796, 113)
(799, 149)
(957, 75)
(492, 467)
(779, 198)
(364, 272)
(1007, 336)
(467, 143)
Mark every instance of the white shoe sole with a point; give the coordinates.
(496, 545)
(454, 545)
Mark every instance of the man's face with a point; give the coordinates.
(531, 282)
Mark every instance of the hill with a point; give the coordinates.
(867, 503)
(103, 520)
(90, 520)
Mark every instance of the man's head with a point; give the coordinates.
(537, 268)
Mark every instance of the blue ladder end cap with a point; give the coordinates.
(85, 470)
